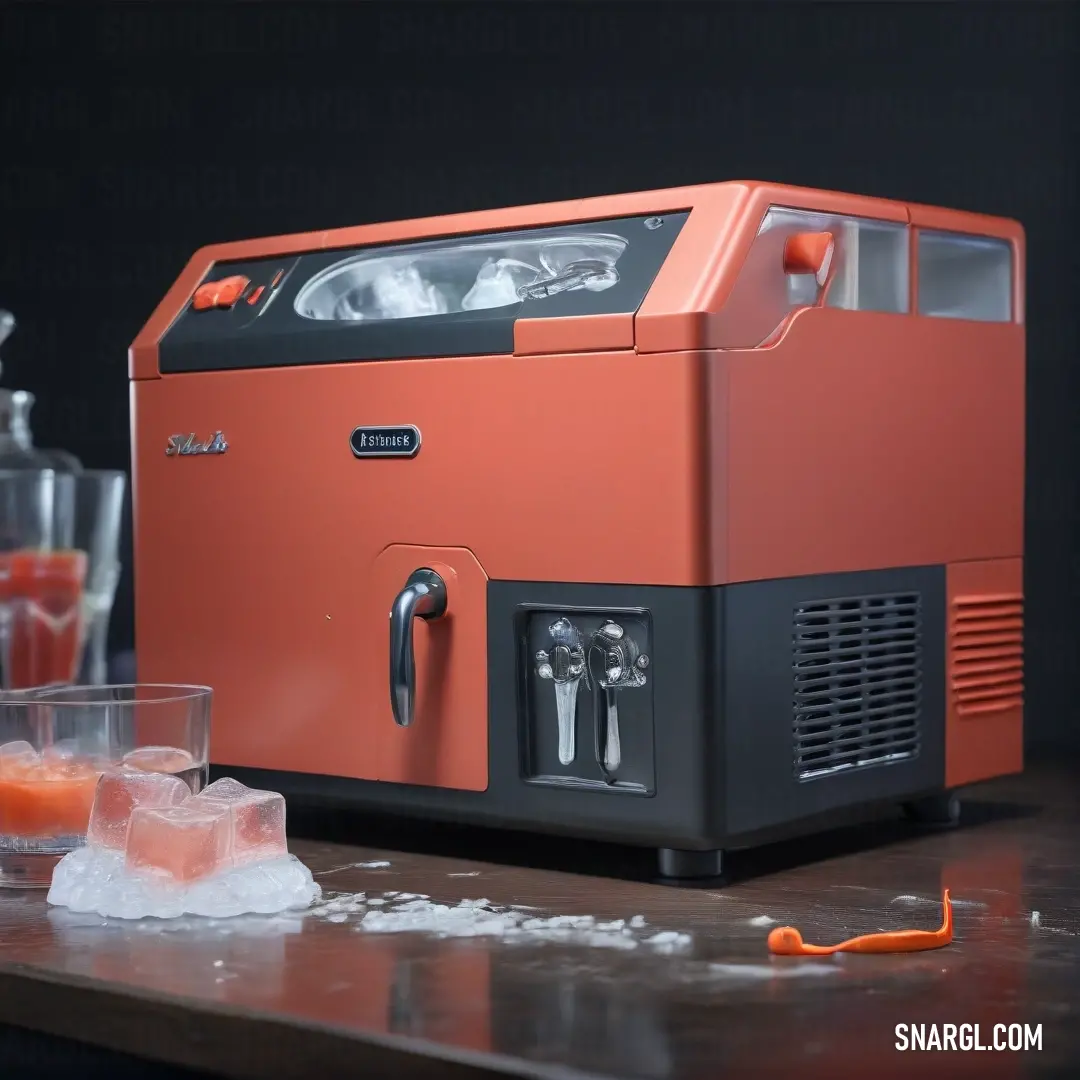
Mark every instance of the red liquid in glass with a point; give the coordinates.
(43, 596)
(39, 802)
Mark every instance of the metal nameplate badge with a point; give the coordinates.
(402, 441)
(190, 446)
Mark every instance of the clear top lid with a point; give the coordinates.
(451, 276)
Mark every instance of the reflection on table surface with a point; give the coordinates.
(642, 1009)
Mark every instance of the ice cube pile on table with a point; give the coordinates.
(156, 850)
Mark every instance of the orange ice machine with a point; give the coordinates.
(681, 518)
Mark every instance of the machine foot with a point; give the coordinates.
(676, 863)
(940, 809)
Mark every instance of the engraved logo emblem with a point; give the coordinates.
(190, 446)
(382, 442)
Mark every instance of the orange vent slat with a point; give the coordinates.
(977, 654)
(983, 707)
(986, 626)
(972, 679)
(989, 598)
(1010, 688)
(990, 611)
(994, 671)
(975, 639)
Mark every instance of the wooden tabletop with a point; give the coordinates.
(316, 994)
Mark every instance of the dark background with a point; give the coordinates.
(130, 135)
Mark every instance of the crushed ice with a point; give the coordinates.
(398, 913)
(769, 971)
(380, 864)
(915, 901)
(94, 880)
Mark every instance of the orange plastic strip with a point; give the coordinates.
(787, 941)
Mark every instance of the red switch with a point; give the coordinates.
(219, 294)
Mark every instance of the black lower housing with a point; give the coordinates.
(764, 706)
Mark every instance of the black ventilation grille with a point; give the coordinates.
(857, 683)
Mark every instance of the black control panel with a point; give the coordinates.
(454, 296)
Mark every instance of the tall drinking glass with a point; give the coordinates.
(42, 576)
(55, 742)
(99, 503)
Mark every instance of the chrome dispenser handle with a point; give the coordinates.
(424, 597)
(622, 667)
(565, 666)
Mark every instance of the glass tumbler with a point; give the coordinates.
(99, 504)
(55, 742)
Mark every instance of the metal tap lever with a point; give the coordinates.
(565, 666)
(623, 668)
(424, 597)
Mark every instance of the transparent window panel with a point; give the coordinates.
(965, 277)
(870, 264)
(870, 271)
(451, 276)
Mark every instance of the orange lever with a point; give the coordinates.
(787, 941)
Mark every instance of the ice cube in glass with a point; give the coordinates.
(17, 758)
(61, 753)
(162, 759)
